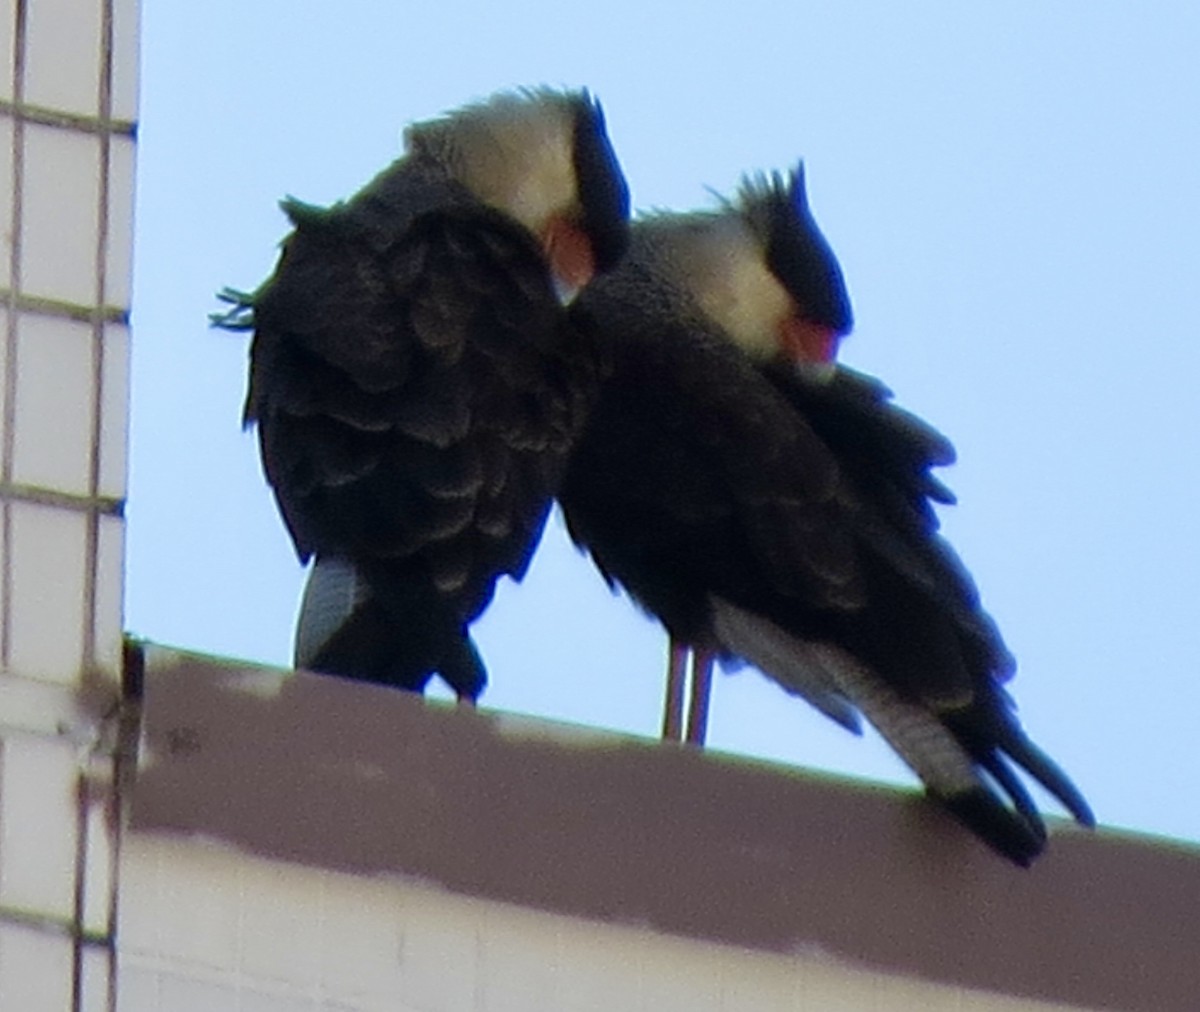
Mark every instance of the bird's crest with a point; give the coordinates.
(776, 208)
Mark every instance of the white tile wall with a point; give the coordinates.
(59, 369)
(47, 557)
(119, 255)
(586, 964)
(62, 62)
(35, 970)
(360, 938)
(184, 993)
(5, 422)
(193, 939)
(6, 189)
(279, 923)
(38, 826)
(114, 411)
(8, 19)
(98, 878)
(96, 965)
(183, 911)
(60, 199)
(125, 59)
(54, 403)
(109, 610)
(515, 975)
(439, 958)
(140, 988)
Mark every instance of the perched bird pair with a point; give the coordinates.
(422, 394)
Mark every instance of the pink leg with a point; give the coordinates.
(673, 707)
(467, 702)
(702, 666)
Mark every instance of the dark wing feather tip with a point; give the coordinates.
(1006, 832)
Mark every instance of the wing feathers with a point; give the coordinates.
(415, 393)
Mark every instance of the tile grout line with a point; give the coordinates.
(47, 924)
(38, 305)
(43, 116)
(113, 802)
(91, 577)
(7, 442)
(78, 899)
(10, 369)
(105, 505)
(10, 354)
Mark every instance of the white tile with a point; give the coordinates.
(516, 975)
(601, 967)
(99, 848)
(96, 967)
(60, 214)
(62, 59)
(360, 947)
(675, 978)
(280, 924)
(755, 982)
(118, 276)
(54, 399)
(126, 35)
(440, 956)
(47, 608)
(199, 919)
(114, 412)
(35, 970)
(110, 597)
(139, 988)
(4, 376)
(6, 508)
(6, 201)
(257, 1001)
(38, 826)
(139, 924)
(8, 20)
(179, 902)
(184, 994)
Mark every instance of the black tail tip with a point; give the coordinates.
(1008, 833)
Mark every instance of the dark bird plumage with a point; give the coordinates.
(782, 513)
(416, 383)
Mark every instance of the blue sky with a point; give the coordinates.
(1014, 196)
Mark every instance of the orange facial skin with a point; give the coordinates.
(808, 343)
(569, 252)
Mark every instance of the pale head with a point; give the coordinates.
(543, 157)
(719, 261)
(760, 270)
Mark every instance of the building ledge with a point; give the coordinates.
(613, 828)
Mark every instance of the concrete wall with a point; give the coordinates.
(300, 839)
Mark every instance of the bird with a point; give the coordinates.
(416, 383)
(769, 505)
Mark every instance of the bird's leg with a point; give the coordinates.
(673, 707)
(466, 702)
(702, 667)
